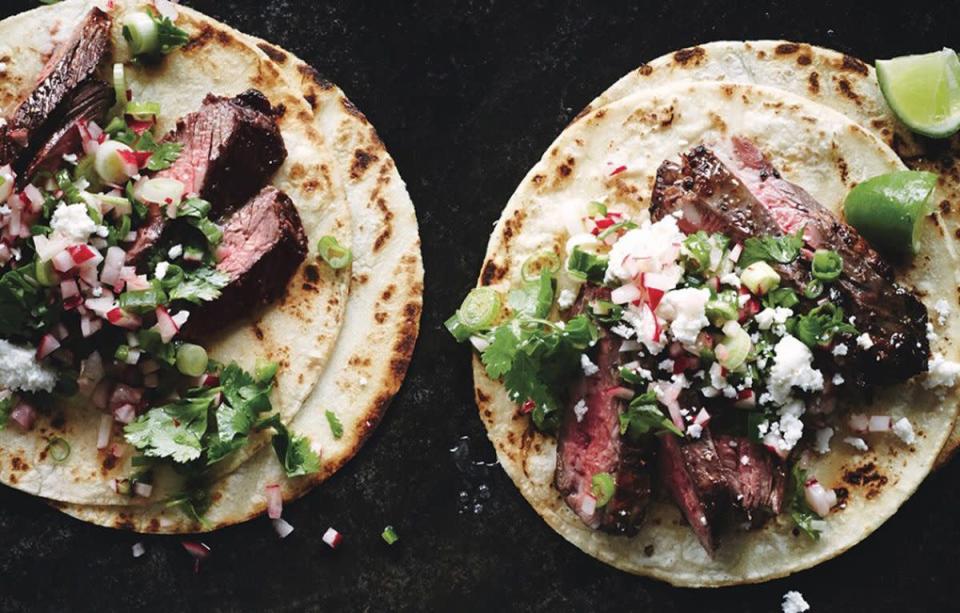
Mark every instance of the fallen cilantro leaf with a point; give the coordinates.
(202, 285)
(335, 426)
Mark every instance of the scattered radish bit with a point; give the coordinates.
(332, 538)
(274, 501)
(103, 432)
(138, 549)
(284, 529)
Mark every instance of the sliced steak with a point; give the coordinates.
(591, 443)
(263, 245)
(895, 319)
(748, 198)
(90, 102)
(231, 147)
(72, 63)
(721, 479)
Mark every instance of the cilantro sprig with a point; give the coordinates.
(779, 249)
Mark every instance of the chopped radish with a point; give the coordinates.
(622, 393)
(101, 395)
(588, 506)
(859, 422)
(625, 294)
(735, 252)
(112, 264)
(180, 318)
(282, 527)
(69, 289)
(166, 326)
(63, 261)
(820, 499)
(48, 344)
(102, 305)
(125, 394)
(702, 418)
(208, 380)
(123, 319)
(125, 413)
(142, 489)
(274, 501)
(24, 415)
(880, 423)
(332, 538)
(34, 196)
(103, 432)
(89, 326)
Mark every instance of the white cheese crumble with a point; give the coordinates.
(904, 430)
(942, 307)
(666, 365)
(942, 372)
(822, 441)
(731, 279)
(694, 430)
(71, 221)
(792, 367)
(580, 409)
(161, 270)
(783, 435)
(622, 330)
(745, 460)
(840, 350)
(864, 341)
(856, 442)
(793, 602)
(589, 368)
(566, 299)
(19, 370)
(838, 379)
(175, 251)
(685, 310)
(768, 317)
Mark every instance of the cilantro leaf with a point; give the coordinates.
(23, 304)
(643, 416)
(164, 156)
(194, 502)
(172, 431)
(335, 426)
(6, 405)
(169, 35)
(498, 356)
(800, 512)
(201, 285)
(294, 451)
(818, 327)
(781, 249)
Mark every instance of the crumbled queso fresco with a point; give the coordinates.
(566, 299)
(589, 368)
(71, 221)
(793, 602)
(19, 370)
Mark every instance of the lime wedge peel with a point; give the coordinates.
(923, 91)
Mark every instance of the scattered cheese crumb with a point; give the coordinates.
(793, 602)
(622, 330)
(175, 251)
(942, 307)
(138, 549)
(864, 341)
(566, 299)
(580, 409)
(745, 460)
(942, 372)
(856, 442)
(161, 271)
(838, 379)
(840, 349)
(822, 443)
(694, 430)
(904, 429)
(589, 368)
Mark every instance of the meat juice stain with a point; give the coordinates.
(474, 492)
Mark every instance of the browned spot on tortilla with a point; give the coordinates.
(855, 65)
(257, 332)
(388, 293)
(538, 179)
(513, 225)
(563, 170)
(307, 287)
(727, 90)
(945, 207)
(275, 54)
(13, 479)
(804, 60)
(312, 273)
(492, 273)
(482, 397)
(786, 48)
(311, 185)
(868, 477)
(109, 463)
(407, 340)
(813, 83)
(311, 73)
(154, 525)
(380, 317)
(361, 161)
(692, 54)
(847, 90)
(350, 108)
(200, 39)
(844, 171)
(17, 463)
(311, 100)
(297, 171)
(58, 422)
(511, 438)
(645, 69)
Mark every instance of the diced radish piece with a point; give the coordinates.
(48, 344)
(89, 326)
(625, 294)
(588, 506)
(138, 549)
(133, 356)
(102, 305)
(142, 489)
(112, 264)
(69, 289)
(200, 551)
(88, 273)
(125, 394)
(34, 196)
(735, 252)
(702, 418)
(166, 326)
(137, 282)
(820, 499)
(859, 422)
(274, 501)
(282, 527)
(63, 261)
(880, 423)
(82, 253)
(667, 394)
(180, 318)
(24, 415)
(46, 248)
(208, 380)
(123, 319)
(332, 538)
(103, 432)
(125, 413)
(746, 399)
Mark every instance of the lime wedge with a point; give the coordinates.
(887, 209)
(924, 91)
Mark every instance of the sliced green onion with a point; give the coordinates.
(604, 487)
(480, 309)
(586, 265)
(142, 34)
(142, 110)
(456, 328)
(122, 353)
(390, 535)
(335, 255)
(724, 307)
(143, 301)
(46, 275)
(813, 289)
(732, 352)
(537, 263)
(120, 84)
(265, 371)
(826, 265)
(760, 278)
(623, 225)
(59, 449)
(192, 360)
(596, 209)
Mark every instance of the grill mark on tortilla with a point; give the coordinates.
(275, 54)
(854, 65)
(813, 83)
(361, 162)
(691, 54)
(786, 48)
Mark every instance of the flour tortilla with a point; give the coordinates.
(299, 331)
(380, 326)
(841, 82)
(813, 146)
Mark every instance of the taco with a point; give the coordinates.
(208, 198)
(837, 80)
(688, 362)
(379, 328)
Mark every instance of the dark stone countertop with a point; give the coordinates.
(467, 95)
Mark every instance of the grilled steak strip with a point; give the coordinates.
(895, 319)
(90, 102)
(71, 64)
(263, 245)
(723, 478)
(231, 147)
(753, 201)
(592, 444)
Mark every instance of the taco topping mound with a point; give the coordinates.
(702, 353)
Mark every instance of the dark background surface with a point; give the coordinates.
(467, 96)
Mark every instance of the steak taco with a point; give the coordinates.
(179, 262)
(689, 360)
